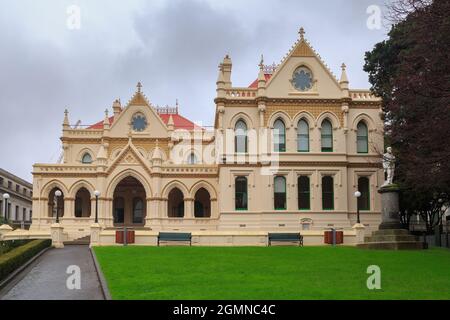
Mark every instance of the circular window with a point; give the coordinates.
(139, 122)
(302, 79)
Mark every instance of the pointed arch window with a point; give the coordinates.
(362, 138)
(87, 158)
(240, 137)
(303, 136)
(241, 193)
(279, 136)
(280, 193)
(304, 202)
(327, 136)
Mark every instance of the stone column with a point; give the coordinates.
(57, 235)
(390, 207)
(188, 208)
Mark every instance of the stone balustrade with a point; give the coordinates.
(241, 93)
(363, 95)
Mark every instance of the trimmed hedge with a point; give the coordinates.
(8, 245)
(12, 260)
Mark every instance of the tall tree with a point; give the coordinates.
(411, 72)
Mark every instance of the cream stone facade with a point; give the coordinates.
(286, 154)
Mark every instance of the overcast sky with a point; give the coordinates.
(173, 47)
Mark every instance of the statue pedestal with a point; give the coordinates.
(391, 234)
(390, 207)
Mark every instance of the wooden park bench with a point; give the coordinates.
(174, 237)
(286, 237)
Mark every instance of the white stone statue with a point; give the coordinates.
(389, 166)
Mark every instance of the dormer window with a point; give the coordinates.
(302, 79)
(192, 159)
(86, 159)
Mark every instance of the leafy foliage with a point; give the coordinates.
(411, 72)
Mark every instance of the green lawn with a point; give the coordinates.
(272, 273)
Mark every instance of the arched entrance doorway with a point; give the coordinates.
(202, 204)
(129, 205)
(82, 203)
(175, 204)
(55, 203)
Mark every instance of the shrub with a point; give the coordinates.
(11, 261)
(6, 246)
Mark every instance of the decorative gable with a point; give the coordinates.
(302, 73)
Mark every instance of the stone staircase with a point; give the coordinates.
(80, 241)
(392, 239)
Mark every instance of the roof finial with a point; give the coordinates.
(301, 32)
(261, 64)
(139, 86)
(343, 66)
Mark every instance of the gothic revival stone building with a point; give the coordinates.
(287, 153)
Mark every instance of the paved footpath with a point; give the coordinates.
(46, 278)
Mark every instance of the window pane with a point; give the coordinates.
(303, 136)
(86, 158)
(303, 193)
(327, 193)
(240, 137)
(279, 136)
(241, 193)
(280, 184)
(192, 159)
(363, 187)
(362, 138)
(138, 210)
(327, 136)
(280, 193)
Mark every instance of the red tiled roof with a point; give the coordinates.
(99, 125)
(179, 122)
(254, 84)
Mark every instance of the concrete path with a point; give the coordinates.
(46, 278)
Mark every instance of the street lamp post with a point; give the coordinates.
(5, 198)
(357, 195)
(57, 195)
(97, 194)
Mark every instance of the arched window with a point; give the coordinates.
(240, 137)
(303, 193)
(192, 159)
(138, 210)
(279, 136)
(280, 193)
(87, 158)
(362, 138)
(327, 136)
(364, 199)
(327, 193)
(303, 136)
(241, 195)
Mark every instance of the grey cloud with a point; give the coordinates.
(173, 47)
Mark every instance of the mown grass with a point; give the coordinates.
(214, 273)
